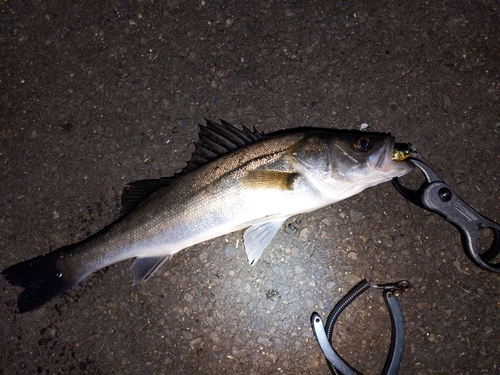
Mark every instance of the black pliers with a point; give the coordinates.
(435, 196)
(390, 292)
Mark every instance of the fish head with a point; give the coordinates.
(342, 164)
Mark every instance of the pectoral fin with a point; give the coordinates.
(143, 268)
(263, 179)
(258, 236)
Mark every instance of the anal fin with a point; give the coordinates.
(144, 268)
(258, 236)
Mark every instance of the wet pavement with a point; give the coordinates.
(95, 95)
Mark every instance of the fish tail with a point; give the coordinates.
(43, 278)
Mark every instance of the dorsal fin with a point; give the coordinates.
(135, 192)
(218, 139)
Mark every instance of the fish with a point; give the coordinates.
(236, 179)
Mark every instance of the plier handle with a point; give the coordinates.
(324, 334)
(436, 196)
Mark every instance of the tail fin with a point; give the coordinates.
(41, 278)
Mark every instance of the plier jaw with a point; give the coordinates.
(436, 196)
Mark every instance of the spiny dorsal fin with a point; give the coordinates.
(135, 192)
(218, 139)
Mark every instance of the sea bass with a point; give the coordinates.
(236, 179)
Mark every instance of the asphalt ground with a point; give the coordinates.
(94, 95)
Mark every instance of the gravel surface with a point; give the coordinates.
(94, 95)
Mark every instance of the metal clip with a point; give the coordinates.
(394, 289)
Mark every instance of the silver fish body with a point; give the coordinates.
(257, 182)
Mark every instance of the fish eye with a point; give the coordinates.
(363, 144)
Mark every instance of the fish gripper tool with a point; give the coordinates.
(324, 333)
(436, 196)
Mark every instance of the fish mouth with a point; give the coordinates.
(383, 161)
